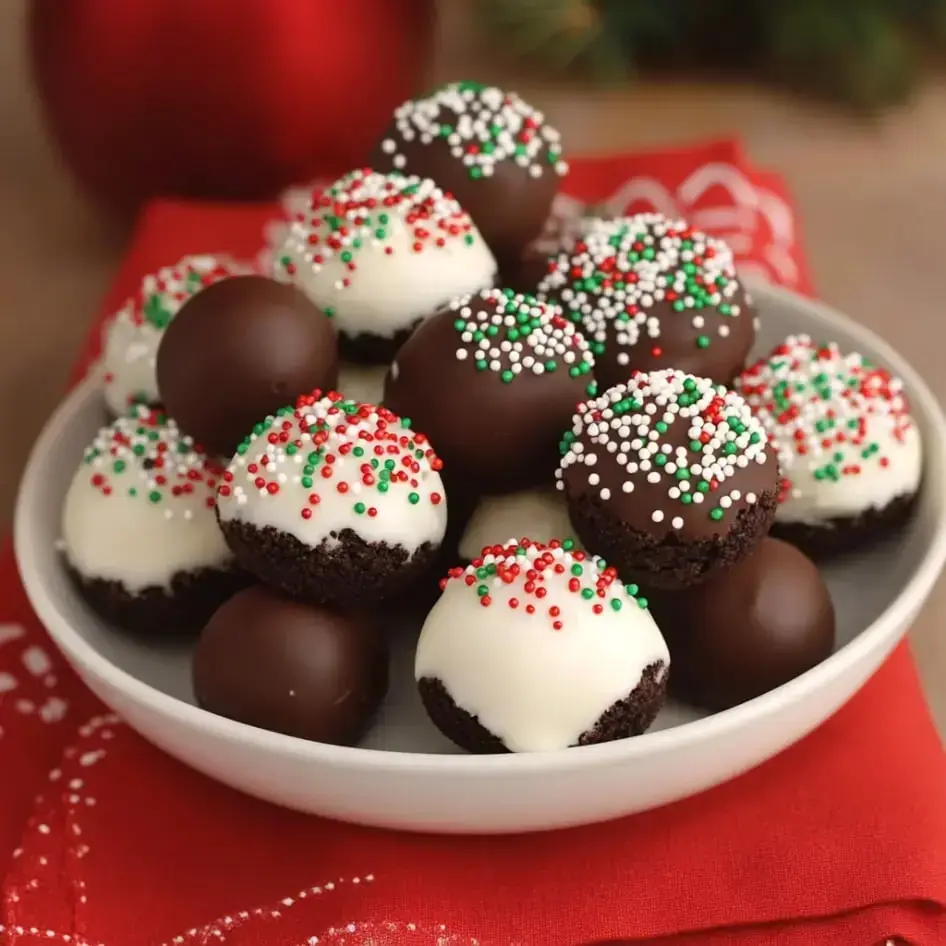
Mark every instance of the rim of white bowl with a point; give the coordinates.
(674, 739)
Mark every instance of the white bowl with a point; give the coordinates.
(405, 775)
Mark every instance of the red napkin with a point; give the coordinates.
(839, 840)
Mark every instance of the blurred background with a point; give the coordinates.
(836, 97)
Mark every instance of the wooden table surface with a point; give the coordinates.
(871, 199)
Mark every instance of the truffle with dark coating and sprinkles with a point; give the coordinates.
(651, 293)
(139, 531)
(669, 476)
(493, 380)
(380, 252)
(850, 452)
(492, 150)
(537, 647)
(333, 501)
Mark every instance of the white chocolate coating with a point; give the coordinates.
(131, 337)
(378, 253)
(332, 465)
(140, 510)
(540, 515)
(363, 383)
(535, 686)
(842, 428)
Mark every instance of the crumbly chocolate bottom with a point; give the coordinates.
(834, 537)
(364, 349)
(669, 563)
(180, 609)
(349, 573)
(627, 717)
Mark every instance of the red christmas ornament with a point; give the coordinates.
(221, 99)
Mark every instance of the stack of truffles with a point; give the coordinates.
(561, 460)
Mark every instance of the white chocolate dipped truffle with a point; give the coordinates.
(542, 515)
(378, 253)
(140, 509)
(841, 426)
(537, 648)
(132, 335)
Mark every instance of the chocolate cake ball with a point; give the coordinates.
(493, 380)
(139, 533)
(652, 293)
(378, 253)
(849, 450)
(238, 351)
(494, 152)
(669, 477)
(334, 502)
(132, 335)
(540, 514)
(749, 629)
(534, 648)
(271, 662)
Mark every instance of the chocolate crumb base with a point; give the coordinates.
(839, 536)
(627, 717)
(180, 609)
(365, 349)
(351, 573)
(669, 563)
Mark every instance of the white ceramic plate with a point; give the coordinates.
(405, 775)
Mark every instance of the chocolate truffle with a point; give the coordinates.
(493, 380)
(138, 528)
(851, 454)
(749, 629)
(534, 648)
(238, 351)
(651, 293)
(494, 152)
(378, 253)
(271, 662)
(132, 335)
(334, 502)
(669, 478)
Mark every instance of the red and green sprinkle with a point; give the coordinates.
(329, 449)
(482, 126)
(626, 271)
(510, 334)
(667, 429)
(535, 578)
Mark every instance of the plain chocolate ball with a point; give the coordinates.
(271, 662)
(238, 351)
(748, 629)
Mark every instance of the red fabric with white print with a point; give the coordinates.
(104, 840)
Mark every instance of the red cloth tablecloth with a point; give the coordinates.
(104, 840)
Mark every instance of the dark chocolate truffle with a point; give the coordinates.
(652, 293)
(669, 477)
(334, 502)
(850, 452)
(539, 647)
(239, 350)
(749, 629)
(274, 663)
(494, 152)
(493, 380)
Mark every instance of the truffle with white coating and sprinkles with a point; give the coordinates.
(139, 532)
(535, 648)
(850, 453)
(652, 293)
(493, 380)
(132, 335)
(489, 148)
(669, 477)
(378, 253)
(334, 501)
